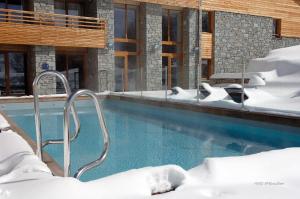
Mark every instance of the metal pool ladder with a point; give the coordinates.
(37, 116)
(67, 139)
(69, 106)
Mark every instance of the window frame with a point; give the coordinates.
(126, 53)
(66, 6)
(178, 55)
(210, 15)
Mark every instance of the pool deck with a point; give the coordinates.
(241, 114)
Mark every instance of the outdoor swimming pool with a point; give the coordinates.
(144, 135)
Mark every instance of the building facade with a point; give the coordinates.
(129, 45)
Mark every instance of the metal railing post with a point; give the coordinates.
(123, 83)
(243, 86)
(199, 70)
(166, 83)
(106, 141)
(142, 82)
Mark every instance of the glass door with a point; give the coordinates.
(12, 73)
(170, 70)
(119, 73)
(126, 73)
(17, 73)
(71, 66)
(165, 66)
(172, 48)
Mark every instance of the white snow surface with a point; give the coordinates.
(3, 123)
(274, 174)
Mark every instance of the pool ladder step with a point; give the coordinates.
(67, 138)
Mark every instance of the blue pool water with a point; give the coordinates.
(143, 135)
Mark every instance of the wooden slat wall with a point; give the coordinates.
(179, 3)
(206, 45)
(28, 34)
(287, 10)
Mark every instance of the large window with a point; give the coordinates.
(12, 4)
(72, 66)
(65, 7)
(126, 47)
(12, 73)
(171, 47)
(207, 21)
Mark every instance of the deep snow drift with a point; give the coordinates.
(273, 174)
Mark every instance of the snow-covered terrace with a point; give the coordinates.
(274, 86)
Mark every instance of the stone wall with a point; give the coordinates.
(284, 42)
(151, 49)
(241, 37)
(190, 51)
(43, 55)
(45, 6)
(101, 61)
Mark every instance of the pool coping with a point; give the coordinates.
(293, 121)
(47, 159)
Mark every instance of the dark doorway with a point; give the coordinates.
(71, 65)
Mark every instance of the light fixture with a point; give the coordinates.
(110, 46)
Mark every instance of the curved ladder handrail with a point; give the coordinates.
(105, 135)
(37, 116)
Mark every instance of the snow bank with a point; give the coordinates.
(273, 166)
(17, 160)
(283, 61)
(3, 123)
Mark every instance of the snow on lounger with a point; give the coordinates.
(3, 123)
(17, 160)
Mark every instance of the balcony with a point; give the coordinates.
(35, 28)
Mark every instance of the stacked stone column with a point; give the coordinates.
(151, 48)
(101, 62)
(43, 57)
(190, 47)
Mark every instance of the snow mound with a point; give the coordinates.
(273, 166)
(3, 123)
(179, 93)
(278, 63)
(17, 160)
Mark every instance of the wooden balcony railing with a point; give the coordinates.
(35, 28)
